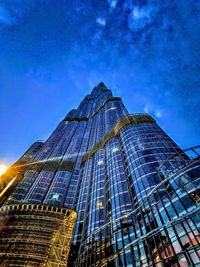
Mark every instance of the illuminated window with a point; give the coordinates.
(100, 162)
(55, 196)
(112, 108)
(115, 149)
(99, 204)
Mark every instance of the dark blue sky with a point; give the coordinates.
(53, 52)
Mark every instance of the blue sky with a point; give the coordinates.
(53, 52)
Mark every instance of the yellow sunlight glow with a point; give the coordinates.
(3, 168)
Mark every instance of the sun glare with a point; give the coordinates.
(3, 168)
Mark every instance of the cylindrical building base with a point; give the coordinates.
(35, 235)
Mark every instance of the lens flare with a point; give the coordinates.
(3, 168)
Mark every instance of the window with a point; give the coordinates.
(100, 162)
(99, 204)
(55, 196)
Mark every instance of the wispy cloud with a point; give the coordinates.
(158, 113)
(142, 16)
(154, 110)
(101, 21)
(5, 16)
(148, 50)
(112, 3)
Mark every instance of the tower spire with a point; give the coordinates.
(115, 172)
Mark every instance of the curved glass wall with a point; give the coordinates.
(35, 235)
(164, 232)
(145, 146)
(135, 191)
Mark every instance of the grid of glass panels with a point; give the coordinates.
(145, 146)
(117, 186)
(58, 188)
(23, 187)
(82, 200)
(96, 210)
(131, 211)
(165, 232)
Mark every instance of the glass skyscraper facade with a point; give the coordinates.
(133, 193)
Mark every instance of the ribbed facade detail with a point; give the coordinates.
(35, 235)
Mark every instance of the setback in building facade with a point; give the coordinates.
(107, 188)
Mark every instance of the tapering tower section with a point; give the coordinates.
(131, 190)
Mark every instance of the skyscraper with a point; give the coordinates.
(133, 193)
